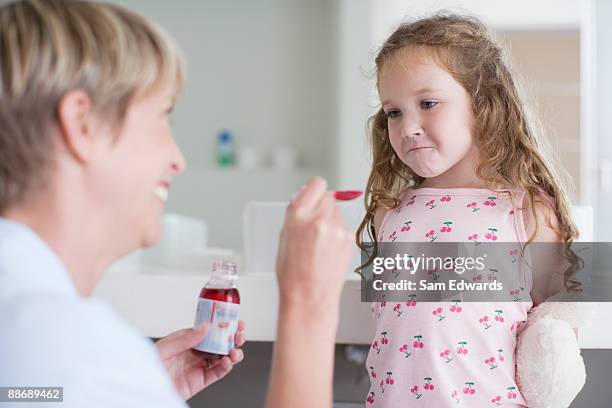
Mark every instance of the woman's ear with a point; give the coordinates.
(76, 126)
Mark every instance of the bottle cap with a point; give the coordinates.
(225, 136)
(226, 269)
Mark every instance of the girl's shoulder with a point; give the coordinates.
(545, 218)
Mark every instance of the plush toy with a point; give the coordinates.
(550, 370)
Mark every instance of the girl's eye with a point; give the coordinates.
(393, 114)
(428, 104)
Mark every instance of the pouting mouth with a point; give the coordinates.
(419, 148)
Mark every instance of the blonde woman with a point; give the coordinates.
(86, 162)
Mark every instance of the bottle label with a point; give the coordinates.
(222, 321)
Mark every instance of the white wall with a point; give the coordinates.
(265, 70)
(600, 61)
(519, 15)
(356, 92)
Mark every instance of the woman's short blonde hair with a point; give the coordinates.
(50, 47)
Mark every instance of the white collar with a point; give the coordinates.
(28, 265)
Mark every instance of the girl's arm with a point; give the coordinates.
(548, 261)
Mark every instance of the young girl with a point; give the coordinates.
(455, 158)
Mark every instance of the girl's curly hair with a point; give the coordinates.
(507, 138)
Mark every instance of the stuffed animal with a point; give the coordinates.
(550, 370)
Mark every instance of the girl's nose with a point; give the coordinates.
(412, 129)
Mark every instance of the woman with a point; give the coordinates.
(86, 161)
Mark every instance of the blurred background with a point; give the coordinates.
(280, 90)
(286, 86)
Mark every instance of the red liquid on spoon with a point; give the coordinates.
(347, 195)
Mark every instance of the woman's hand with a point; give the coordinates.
(192, 370)
(314, 249)
(313, 257)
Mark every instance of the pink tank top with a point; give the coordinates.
(450, 354)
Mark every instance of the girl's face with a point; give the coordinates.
(133, 176)
(429, 117)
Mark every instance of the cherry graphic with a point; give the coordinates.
(491, 234)
(490, 202)
(397, 310)
(406, 226)
(411, 201)
(454, 395)
(455, 308)
(417, 342)
(461, 349)
(490, 362)
(370, 398)
(484, 320)
(439, 312)
(404, 349)
(469, 389)
(446, 227)
(389, 380)
(372, 372)
(431, 235)
(477, 277)
(445, 354)
(515, 294)
(473, 205)
(428, 385)
(498, 316)
(412, 302)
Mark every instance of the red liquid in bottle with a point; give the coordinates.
(218, 307)
(229, 295)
